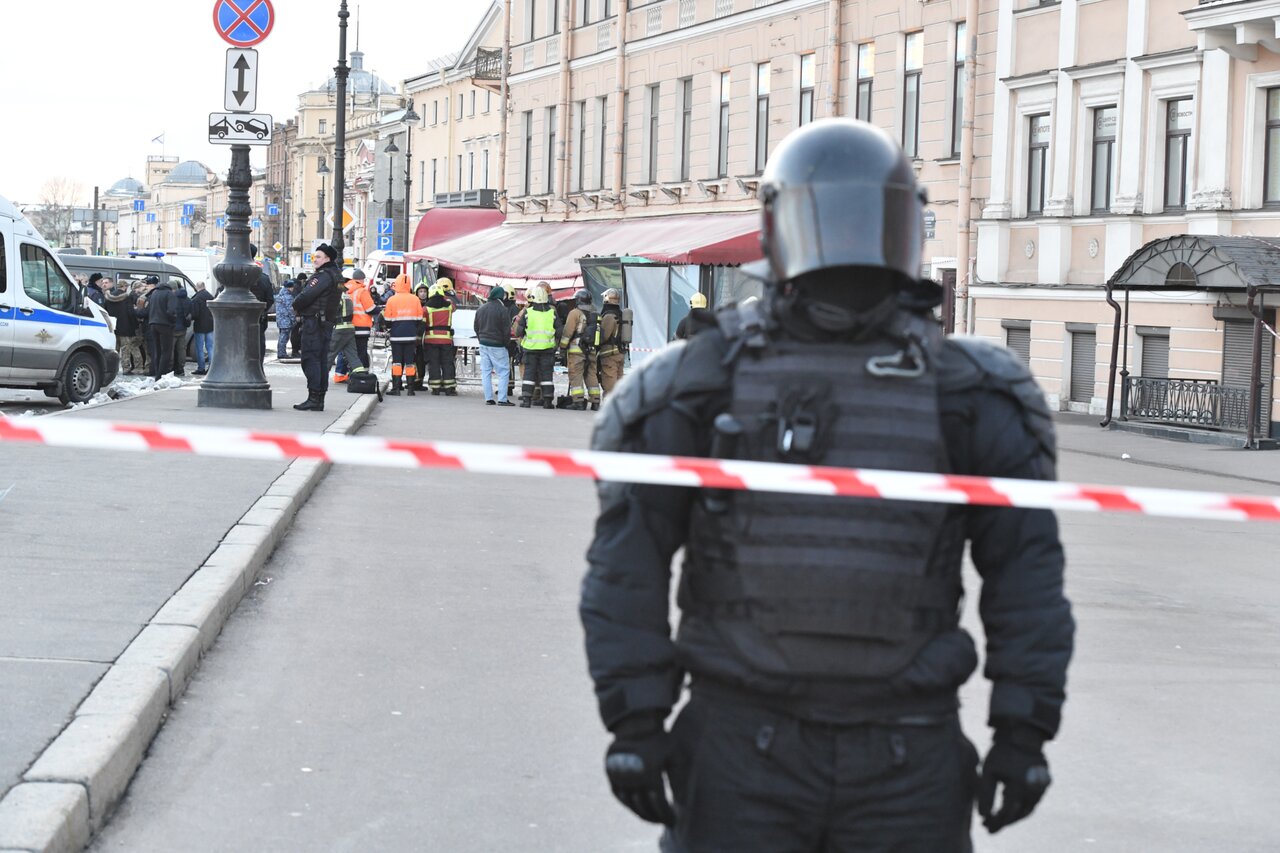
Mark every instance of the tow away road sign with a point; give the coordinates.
(242, 81)
(240, 128)
(243, 23)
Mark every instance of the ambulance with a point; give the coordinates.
(52, 336)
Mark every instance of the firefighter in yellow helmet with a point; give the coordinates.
(538, 331)
(697, 318)
(437, 343)
(610, 358)
(580, 339)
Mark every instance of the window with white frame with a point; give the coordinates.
(866, 75)
(459, 184)
(422, 181)
(762, 115)
(530, 15)
(582, 145)
(1105, 122)
(1271, 149)
(528, 151)
(473, 103)
(686, 126)
(807, 75)
(434, 174)
(957, 88)
(912, 67)
(553, 11)
(435, 112)
(722, 148)
(551, 149)
(602, 127)
(484, 168)
(651, 173)
(1037, 162)
(1177, 140)
(324, 127)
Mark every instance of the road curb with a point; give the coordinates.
(71, 789)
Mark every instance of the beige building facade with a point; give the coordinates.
(1117, 124)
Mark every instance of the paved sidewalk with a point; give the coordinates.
(96, 545)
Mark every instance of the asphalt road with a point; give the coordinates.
(409, 674)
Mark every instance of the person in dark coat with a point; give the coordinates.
(161, 318)
(120, 306)
(181, 322)
(94, 290)
(317, 307)
(202, 328)
(264, 292)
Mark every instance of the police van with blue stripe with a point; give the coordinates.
(51, 336)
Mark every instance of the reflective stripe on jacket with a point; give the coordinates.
(362, 302)
(539, 329)
(404, 313)
(345, 310)
(439, 326)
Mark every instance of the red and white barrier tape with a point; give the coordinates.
(633, 468)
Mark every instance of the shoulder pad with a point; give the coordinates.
(969, 363)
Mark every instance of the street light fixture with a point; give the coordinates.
(391, 148)
(322, 171)
(410, 117)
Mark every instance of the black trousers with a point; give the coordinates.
(160, 345)
(539, 365)
(748, 778)
(315, 354)
(262, 340)
(179, 352)
(295, 338)
(442, 366)
(362, 347)
(403, 360)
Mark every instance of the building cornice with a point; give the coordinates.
(1168, 59)
(1093, 70)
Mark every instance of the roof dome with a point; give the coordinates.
(188, 172)
(359, 81)
(127, 186)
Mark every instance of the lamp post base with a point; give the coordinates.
(236, 379)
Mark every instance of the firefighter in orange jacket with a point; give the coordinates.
(364, 309)
(403, 312)
(437, 342)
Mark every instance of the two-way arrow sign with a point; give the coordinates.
(242, 81)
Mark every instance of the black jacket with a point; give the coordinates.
(322, 295)
(120, 307)
(161, 310)
(201, 316)
(639, 669)
(264, 293)
(181, 309)
(493, 324)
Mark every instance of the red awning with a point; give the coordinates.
(516, 254)
(441, 224)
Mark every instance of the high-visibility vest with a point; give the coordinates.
(403, 312)
(539, 329)
(345, 310)
(439, 325)
(363, 304)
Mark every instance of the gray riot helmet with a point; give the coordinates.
(840, 193)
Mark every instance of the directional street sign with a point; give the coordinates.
(188, 209)
(384, 242)
(242, 81)
(273, 210)
(139, 205)
(240, 128)
(243, 23)
(257, 223)
(186, 220)
(220, 222)
(151, 217)
(386, 226)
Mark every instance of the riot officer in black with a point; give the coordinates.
(317, 306)
(820, 636)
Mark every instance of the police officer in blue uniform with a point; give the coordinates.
(819, 638)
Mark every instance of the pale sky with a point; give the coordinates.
(85, 85)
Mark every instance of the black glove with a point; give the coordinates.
(1016, 762)
(635, 763)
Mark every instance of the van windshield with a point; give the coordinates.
(43, 281)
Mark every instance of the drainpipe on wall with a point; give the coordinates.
(504, 106)
(834, 45)
(1115, 355)
(562, 117)
(1255, 374)
(964, 202)
(619, 108)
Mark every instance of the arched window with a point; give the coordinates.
(1180, 275)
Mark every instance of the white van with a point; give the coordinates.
(52, 337)
(196, 264)
(383, 266)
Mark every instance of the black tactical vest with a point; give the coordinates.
(818, 587)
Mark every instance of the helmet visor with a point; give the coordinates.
(811, 227)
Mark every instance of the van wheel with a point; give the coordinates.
(81, 380)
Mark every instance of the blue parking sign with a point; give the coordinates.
(139, 205)
(384, 242)
(273, 210)
(306, 259)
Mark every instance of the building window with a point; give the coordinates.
(488, 100)
(626, 122)
(1037, 160)
(1155, 352)
(602, 128)
(551, 149)
(435, 112)
(324, 127)
(654, 103)
(762, 116)
(1104, 149)
(422, 181)
(458, 186)
(530, 14)
(582, 145)
(722, 150)
(866, 72)
(473, 103)
(584, 7)
(484, 173)
(957, 89)
(806, 88)
(608, 8)
(686, 126)
(528, 152)
(1177, 135)
(553, 8)
(435, 169)
(461, 101)
(913, 64)
(471, 170)
(1271, 168)
(1018, 339)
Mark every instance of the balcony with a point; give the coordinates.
(1202, 403)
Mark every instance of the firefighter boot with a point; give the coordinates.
(526, 402)
(595, 405)
(579, 405)
(409, 390)
(395, 387)
(548, 402)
